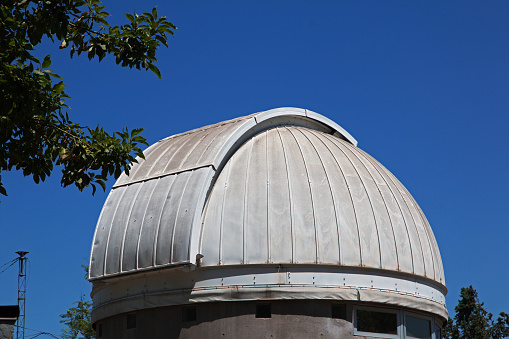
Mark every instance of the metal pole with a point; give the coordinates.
(22, 287)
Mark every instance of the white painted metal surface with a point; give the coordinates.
(285, 186)
(152, 217)
(295, 195)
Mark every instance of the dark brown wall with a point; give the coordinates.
(289, 319)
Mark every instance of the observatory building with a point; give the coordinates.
(272, 225)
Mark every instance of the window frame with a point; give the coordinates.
(419, 316)
(401, 321)
(436, 328)
(434, 325)
(374, 334)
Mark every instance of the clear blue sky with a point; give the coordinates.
(423, 87)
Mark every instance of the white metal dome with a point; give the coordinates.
(295, 195)
(153, 217)
(281, 187)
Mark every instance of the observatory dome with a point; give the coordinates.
(278, 205)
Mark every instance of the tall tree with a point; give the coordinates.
(78, 319)
(473, 321)
(35, 131)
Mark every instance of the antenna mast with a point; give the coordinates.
(22, 287)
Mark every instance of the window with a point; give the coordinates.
(131, 320)
(417, 327)
(263, 311)
(376, 323)
(394, 324)
(99, 330)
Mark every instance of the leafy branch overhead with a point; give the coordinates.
(34, 133)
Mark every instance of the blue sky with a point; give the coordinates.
(423, 87)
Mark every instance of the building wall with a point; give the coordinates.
(288, 319)
(7, 329)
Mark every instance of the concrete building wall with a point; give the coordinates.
(7, 329)
(288, 319)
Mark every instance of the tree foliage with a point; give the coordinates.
(35, 131)
(473, 321)
(79, 319)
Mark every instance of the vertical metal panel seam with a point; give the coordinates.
(292, 235)
(367, 195)
(353, 149)
(332, 193)
(109, 232)
(194, 147)
(436, 251)
(349, 195)
(177, 215)
(154, 257)
(186, 141)
(205, 151)
(397, 184)
(134, 169)
(413, 219)
(233, 141)
(95, 234)
(427, 230)
(330, 188)
(317, 253)
(227, 167)
(133, 201)
(267, 189)
(168, 146)
(384, 175)
(245, 215)
(204, 212)
(143, 221)
(198, 219)
(431, 239)
(196, 210)
(424, 222)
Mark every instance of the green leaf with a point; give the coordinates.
(162, 40)
(154, 69)
(34, 59)
(103, 185)
(47, 61)
(28, 87)
(130, 17)
(136, 131)
(58, 88)
(54, 75)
